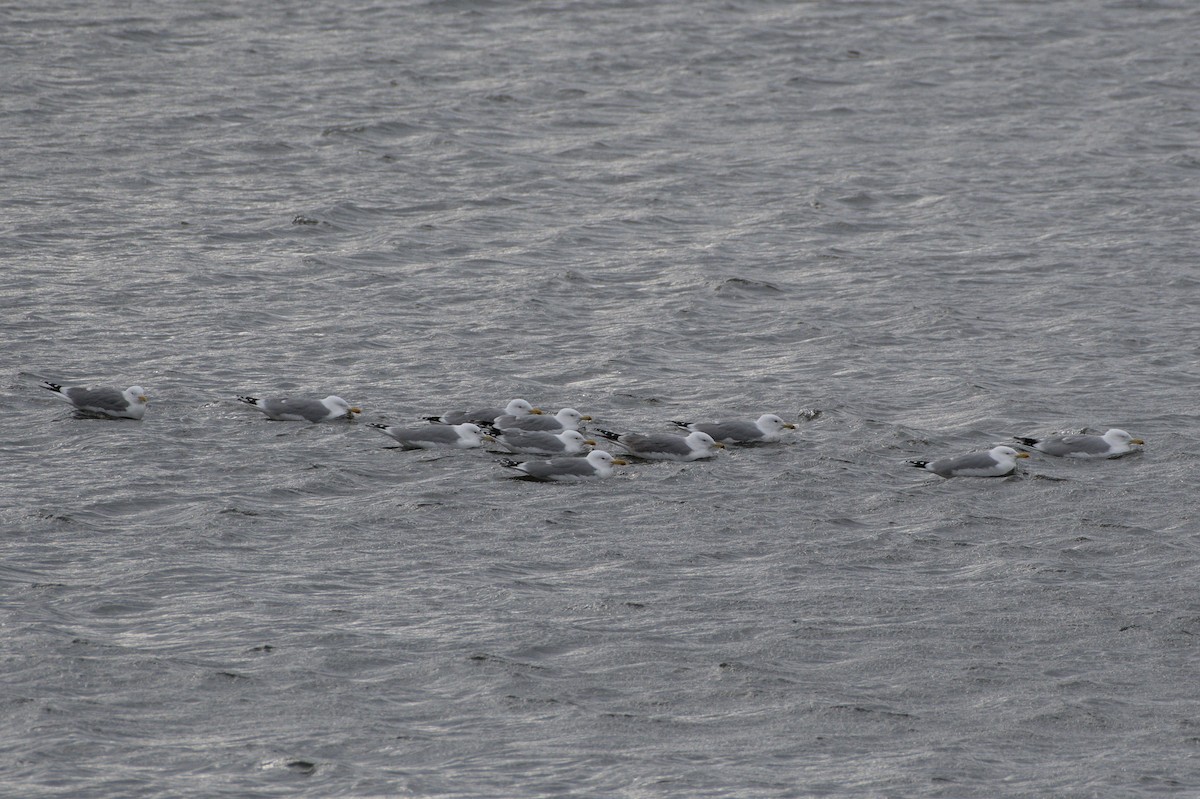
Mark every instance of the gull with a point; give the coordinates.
(691, 447)
(286, 409)
(431, 436)
(996, 462)
(598, 463)
(516, 407)
(767, 427)
(566, 419)
(1112, 444)
(104, 401)
(536, 442)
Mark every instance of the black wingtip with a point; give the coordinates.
(678, 423)
(431, 419)
(509, 463)
(1029, 442)
(610, 435)
(376, 424)
(248, 400)
(918, 464)
(55, 387)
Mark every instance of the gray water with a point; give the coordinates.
(918, 229)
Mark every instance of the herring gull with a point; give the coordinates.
(566, 419)
(516, 407)
(537, 442)
(1112, 444)
(286, 409)
(996, 462)
(105, 401)
(667, 447)
(598, 463)
(767, 427)
(431, 436)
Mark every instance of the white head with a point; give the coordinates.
(570, 418)
(770, 423)
(1006, 453)
(519, 407)
(1117, 436)
(573, 440)
(336, 403)
(136, 395)
(472, 432)
(702, 442)
(603, 461)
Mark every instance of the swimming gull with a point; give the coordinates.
(767, 427)
(516, 407)
(666, 447)
(431, 436)
(536, 442)
(996, 462)
(1112, 444)
(286, 409)
(105, 401)
(566, 419)
(598, 463)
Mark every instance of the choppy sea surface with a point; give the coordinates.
(915, 228)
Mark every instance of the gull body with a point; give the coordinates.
(565, 419)
(597, 464)
(996, 462)
(1113, 444)
(536, 442)
(287, 409)
(665, 447)
(103, 401)
(515, 407)
(767, 427)
(433, 436)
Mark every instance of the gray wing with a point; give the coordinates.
(311, 410)
(100, 399)
(731, 432)
(480, 416)
(559, 467)
(283, 407)
(656, 444)
(517, 440)
(430, 434)
(1074, 445)
(975, 464)
(531, 421)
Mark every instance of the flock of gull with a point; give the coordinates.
(520, 428)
